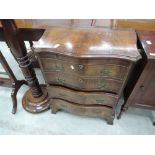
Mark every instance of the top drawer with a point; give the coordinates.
(112, 69)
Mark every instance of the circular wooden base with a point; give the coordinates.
(35, 105)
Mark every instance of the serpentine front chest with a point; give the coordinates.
(86, 69)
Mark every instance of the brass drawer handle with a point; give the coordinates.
(97, 111)
(81, 80)
(59, 68)
(81, 67)
(106, 72)
(62, 95)
(64, 106)
(103, 85)
(101, 101)
(59, 80)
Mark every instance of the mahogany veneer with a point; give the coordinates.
(86, 69)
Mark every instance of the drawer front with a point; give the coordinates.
(83, 83)
(85, 98)
(103, 68)
(52, 55)
(94, 111)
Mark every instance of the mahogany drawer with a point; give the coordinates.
(93, 111)
(62, 57)
(85, 98)
(101, 68)
(83, 83)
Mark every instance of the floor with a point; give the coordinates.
(134, 121)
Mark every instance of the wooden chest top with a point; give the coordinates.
(89, 42)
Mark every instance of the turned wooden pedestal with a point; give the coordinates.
(36, 99)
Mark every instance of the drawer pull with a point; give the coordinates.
(62, 95)
(81, 83)
(97, 111)
(81, 67)
(100, 101)
(59, 80)
(103, 85)
(58, 68)
(81, 80)
(106, 72)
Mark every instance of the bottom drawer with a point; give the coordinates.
(86, 98)
(93, 111)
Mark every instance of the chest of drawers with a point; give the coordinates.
(86, 69)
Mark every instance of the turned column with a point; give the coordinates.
(36, 98)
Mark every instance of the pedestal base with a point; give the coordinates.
(36, 105)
